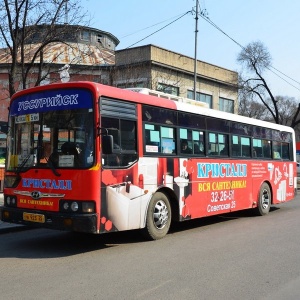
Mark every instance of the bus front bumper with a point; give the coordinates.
(52, 220)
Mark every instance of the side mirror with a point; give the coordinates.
(107, 144)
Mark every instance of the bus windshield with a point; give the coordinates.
(57, 138)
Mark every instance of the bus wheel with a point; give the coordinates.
(264, 200)
(158, 217)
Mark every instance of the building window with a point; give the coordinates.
(127, 85)
(168, 89)
(200, 97)
(226, 105)
(190, 94)
(207, 99)
(100, 39)
(85, 35)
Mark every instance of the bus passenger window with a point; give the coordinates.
(152, 138)
(236, 146)
(218, 144)
(224, 151)
(197, 149)
(285, 151)
(267, 148)
(198, 142)
(167, 146)
(245, 142)
(185, 148)
(128, 135)
(124, 148)
(257, 147)
(276, 150)
(159, 139)
(191, 141)
(167, 140)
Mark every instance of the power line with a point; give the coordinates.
(180, 16)
(283, 78)
(207, 19)
(285, 75)
(203, 15)
(150, 26)
(242, 47)
(159, 29)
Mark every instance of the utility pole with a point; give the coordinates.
(195, 58)
(66, 12)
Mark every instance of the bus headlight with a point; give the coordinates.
(88, 207)
(74, 206)
(10, 201)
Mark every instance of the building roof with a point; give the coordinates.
(71, 53)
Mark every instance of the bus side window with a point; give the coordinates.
(267, 149)
(197, 149)
(257, 147)
(167, 141)
(223, 141)
(198, 142)
(236, 150)
(258, 151)
(277, 150)
(285, 151)
(245, 142)
(218, 144)
(212, 146)
(236, 147)
(128, 135)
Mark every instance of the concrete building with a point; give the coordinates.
(167, 71)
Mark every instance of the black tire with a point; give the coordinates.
(264, 200)
(158, 218)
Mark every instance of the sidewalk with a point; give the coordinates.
(9, 227)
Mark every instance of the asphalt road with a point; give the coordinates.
(234, 256)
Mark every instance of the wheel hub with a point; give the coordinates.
(160, 215)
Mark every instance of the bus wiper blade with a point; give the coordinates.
(50, 164)
(21, 167)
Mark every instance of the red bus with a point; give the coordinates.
(86, 157)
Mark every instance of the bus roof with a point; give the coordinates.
(129, 95)
(159, 94)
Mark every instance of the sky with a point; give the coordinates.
(274, 23)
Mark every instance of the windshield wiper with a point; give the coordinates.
(51, 165)
(21, 167)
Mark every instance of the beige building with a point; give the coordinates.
(163, 70)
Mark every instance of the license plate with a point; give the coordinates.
(34, 218)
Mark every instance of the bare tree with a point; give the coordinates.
(257, 59)
(287, 106)
(27, 29)
(251, 108)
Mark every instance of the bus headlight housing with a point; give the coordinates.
(88, 207)
(72, 206)
(10, 200)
